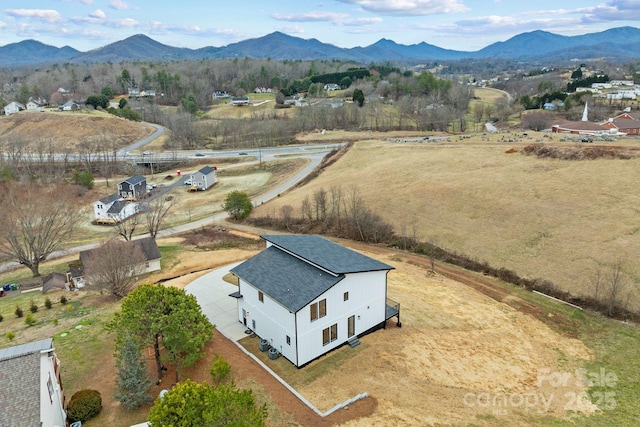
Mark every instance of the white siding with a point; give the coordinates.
(51, 412)
(273, 322)
(367, 301)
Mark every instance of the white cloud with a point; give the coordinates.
(119, 5)
(44, 15)
(309, 17)
(335, 18)
(409, 7)
(291, 29)
(98, 14)
(361, 22)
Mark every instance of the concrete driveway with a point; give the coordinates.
(212, 294)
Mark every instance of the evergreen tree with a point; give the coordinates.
(133, 384)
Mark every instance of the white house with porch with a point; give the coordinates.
(306, 295)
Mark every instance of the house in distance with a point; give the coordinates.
(306, 295)
(203, 179)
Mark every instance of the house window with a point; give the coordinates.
(288, 340)
(260, 296)
(318, 309)
(346, 296)
(330, 334)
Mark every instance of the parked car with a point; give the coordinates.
(188, 182)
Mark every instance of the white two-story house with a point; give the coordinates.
(307, 295)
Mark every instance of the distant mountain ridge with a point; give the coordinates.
(617, 44)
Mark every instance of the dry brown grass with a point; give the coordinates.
(544, 218)
(67, 129)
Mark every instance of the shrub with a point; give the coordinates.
(30, 320)
(63, 300)
(48, 304)
(19, 312)
(84, 405)
(55, 321)
(10, 335)
(1, 318)
(33, 307)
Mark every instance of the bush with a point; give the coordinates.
(19, 312)
(55, 321)
(84, 405)
(63, 300)
(48, 304)
(1, 318)
(30, 320)
(33, 307)
(10, 336)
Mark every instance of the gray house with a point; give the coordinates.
(133, 188)
(204, 178)
(306, 295)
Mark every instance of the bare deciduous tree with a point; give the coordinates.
(35, 221)
(155, 213)
(114, 267)
(127, 227)
(286, 212)
(615, 287)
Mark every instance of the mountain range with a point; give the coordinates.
(617, 44)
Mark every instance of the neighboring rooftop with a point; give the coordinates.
(20, 383)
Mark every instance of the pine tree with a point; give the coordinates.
(132, 384)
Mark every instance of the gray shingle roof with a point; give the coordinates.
(149, 247)
(117, 206)
(108, 199)
(135, 179)
(20, 384)
(286, 279)
(206, 170)
(327, 254)
(295, 281)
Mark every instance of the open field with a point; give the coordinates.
(457, 347)
(546, 218)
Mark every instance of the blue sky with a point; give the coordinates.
(453, 24)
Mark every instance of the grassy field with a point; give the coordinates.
(546, 218)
